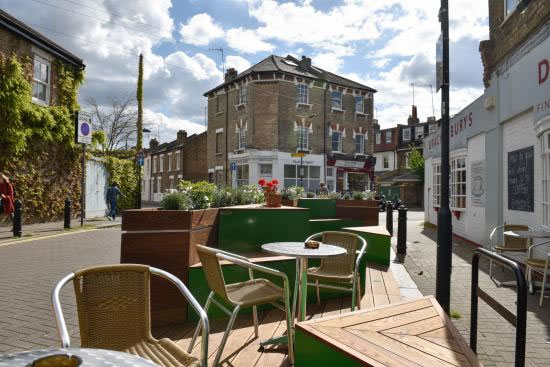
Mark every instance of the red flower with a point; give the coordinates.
(275, 181)
(261, 182)
(269, 184)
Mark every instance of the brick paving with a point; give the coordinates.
(496, 337)
(28, 274)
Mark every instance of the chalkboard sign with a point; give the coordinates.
(521, 183)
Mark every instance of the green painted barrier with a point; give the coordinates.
(309, 351)
(378, 242)
(234, 273)
(319, 208)
(332, 224)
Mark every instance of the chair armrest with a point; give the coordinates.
(320, 234)
(493, 233)
(529, 251)
(256, 267)
(218, 251)
(196, 306)
(361, 253)
(58, 312)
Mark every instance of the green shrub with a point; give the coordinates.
(334, 195)
(123, 172)
(201, 193)
(310, 194)
(346, 196)
(292, 192)
(176, 201)
(247, 194)
(222, 197)
(358, 195)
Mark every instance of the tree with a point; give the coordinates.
(416, 162)
(117, 121)
(139, 96)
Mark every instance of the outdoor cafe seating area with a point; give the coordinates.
(303, 290)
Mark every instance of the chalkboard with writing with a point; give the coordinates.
(521, 182)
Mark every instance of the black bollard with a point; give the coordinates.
(389, 218)
(67, 214)
(17, 216)
(402, 231)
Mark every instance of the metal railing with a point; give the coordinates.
(519, 320)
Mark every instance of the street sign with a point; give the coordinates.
(439, 63)
(84, 128)
(140, 160)
(233, 166)
(300, 154)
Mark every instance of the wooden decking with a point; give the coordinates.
(242, 348)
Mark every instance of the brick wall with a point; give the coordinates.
(508, 32)
(194, 166)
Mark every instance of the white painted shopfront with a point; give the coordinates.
(502, 142)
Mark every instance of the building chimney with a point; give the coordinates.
(182, 136)
(431, 119)
(375, 125)
(413, 119)
(230, 74)
(305, 63)
(153, 143)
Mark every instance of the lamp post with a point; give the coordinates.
(444, 219)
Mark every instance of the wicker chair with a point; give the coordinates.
(539, 265)
(340, 269)
(113, 304)
(250, 293)
(510, 243)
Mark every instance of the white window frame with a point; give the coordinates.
(432, 128)
(161, 163)
(241, 138)
(265, 175)
(545, 145)
(218, 147)
(407, 134)
(302, 90)
(169, 163)
(332, 99)
(436, 183)
(360, 143)
(388, 136)
(178, 160)
(385, 162)
(242, 95)
(45, 62)
(242, 181)
(339, 133)
(378, 138)
(302, 138)
(362, 100)
(418, 132)
(458, 184)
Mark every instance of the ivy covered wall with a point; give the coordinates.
(37, 149)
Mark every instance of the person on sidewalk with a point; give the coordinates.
(323, 190)
(6, 190)
(112, 197)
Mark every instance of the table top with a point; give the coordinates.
(412, 333)
(528, 234)
(298, 249)
(90, 358)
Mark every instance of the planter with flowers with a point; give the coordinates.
(290, 195)
(271, 193)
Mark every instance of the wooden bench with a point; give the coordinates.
(378, 242)
(412, 333)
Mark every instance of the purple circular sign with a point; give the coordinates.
(85, 129)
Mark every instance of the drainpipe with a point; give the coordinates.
(226, 133)
(325, 135)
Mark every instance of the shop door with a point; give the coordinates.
(340, 180)
(357, 181)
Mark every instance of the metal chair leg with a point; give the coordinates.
(295, 292)
(199, 326)
(543, 283)
(255, 317)
(226, 335)
(358, 299)
(491, 269)
(289, 327)
(530, 280)
(318, 292)
(353, 295)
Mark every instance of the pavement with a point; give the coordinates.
(496, 337)
(41, 230)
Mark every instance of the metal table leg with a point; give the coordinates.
(303, 288)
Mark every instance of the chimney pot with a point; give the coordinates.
(230, 74)
(182, 136)
(153, 143)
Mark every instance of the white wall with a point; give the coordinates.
(379, 167)
(519, 133)
(430, 215)
(474, 216)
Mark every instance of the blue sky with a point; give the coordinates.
(387, 45)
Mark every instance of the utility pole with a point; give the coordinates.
(444, 219)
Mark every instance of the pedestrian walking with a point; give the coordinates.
(6, 190)
(112, 197)
(323, 190)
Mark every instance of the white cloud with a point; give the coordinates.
(247, 41)
(237, 62)
(381, 63)
(167, 127)
(200, 30)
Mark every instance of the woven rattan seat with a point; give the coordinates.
(502, 248)
(113, 305)
(535, 263)
(254, 292)
(339, 269)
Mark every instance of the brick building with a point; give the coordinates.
(280, 106)
(167, 164)
(499, 144)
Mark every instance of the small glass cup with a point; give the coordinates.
(57, 360)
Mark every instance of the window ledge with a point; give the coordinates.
(336, 152)
(305, 105)
(219, 153)
(219, 113)
(360, 155)
(240, 105)
(300, 150)
(240, 150)
(40, 102)
(357, 113)
(334, 109)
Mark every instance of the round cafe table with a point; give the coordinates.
(89, 357)
(302, 254)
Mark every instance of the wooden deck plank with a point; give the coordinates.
(378, 287)
(396, 322)
(332, 307)
(368, 297)
(237, 340)
(436, 350)
(273, 355)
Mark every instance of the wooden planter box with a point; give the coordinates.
(289, 202)
(167, 239)
(366, 210)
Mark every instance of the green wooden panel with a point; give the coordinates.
(309, 351)
(378, 247)
(234, 273)
(320, 225)
(319, 208)
(390, 191)
(246, 230)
